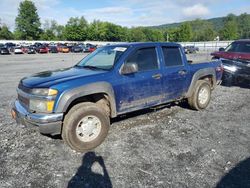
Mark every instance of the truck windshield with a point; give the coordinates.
(103, 58)
(239, 47)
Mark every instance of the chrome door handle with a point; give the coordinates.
(182, 72)
(157, 76)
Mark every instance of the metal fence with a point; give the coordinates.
(203, 46)
(208, 45)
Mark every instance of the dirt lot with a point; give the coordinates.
(171, 146)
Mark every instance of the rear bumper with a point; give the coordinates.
(47, 123)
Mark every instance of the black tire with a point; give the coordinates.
(194, 101)
(72, 119)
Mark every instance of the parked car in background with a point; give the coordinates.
(19, 50)
(90, 47)
(70, 48)
(43, 49)
(38, 44)
(11, 46)
(190, 49)
(77, 49)
(53, 49)
(65, 49)
(239, 49)
(4, 51)
(235, 71)
(31, 50)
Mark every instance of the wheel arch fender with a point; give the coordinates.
(202, 73)
(68, 97)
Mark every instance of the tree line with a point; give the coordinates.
(29, 27)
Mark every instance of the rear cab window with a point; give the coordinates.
(172, 56)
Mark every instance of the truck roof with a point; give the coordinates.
(243, 40)
(141, 44)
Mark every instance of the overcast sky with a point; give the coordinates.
(127, 12)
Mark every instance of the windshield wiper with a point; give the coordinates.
(91, 67)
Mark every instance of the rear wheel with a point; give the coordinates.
(85, 126)
(201, 95)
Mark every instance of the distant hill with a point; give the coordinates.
(217, 22)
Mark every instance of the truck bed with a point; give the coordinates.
(199, 57)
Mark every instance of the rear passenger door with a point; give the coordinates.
(174, 73)
(143, 88)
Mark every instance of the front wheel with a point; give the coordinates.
(201, 95)
(85, 126)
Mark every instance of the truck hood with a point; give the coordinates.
(232, 55)
(48, 78)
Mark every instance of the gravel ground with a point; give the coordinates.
(169, 146)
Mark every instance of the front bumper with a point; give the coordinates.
(238, 75)
(47, 123)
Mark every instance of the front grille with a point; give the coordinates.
(23, 88)
(24, 101)
(22, 98)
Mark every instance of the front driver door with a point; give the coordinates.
(143, 88)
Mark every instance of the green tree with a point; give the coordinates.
(153, 35)
(52, 31)
(230, 29)
(185, 32)
(27, 21)
(105, 31)
(5, 33)
(76, 29)
(244, 25)
(171, 34)
(47, 32)
(97, 31)
(202, 30)
(137, 35)
(114, 32)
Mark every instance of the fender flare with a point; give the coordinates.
(99, 87)
(199, 74)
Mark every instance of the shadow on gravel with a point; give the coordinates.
(85, 177)
(238, 177)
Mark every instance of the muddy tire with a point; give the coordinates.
(201, 95)
(85, 126)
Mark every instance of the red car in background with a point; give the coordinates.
(239, 49)
(92, 48)
(43, 49)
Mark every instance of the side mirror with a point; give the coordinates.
(221, 49)
(129, 68)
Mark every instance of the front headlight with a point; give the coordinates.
(230, 68)
(41, 106)
(44, 92)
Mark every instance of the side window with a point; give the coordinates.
(145, 58)
(172, 56)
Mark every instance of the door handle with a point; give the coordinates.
(182, 72)
(157, 76)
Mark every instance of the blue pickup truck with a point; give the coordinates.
(78, 102)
